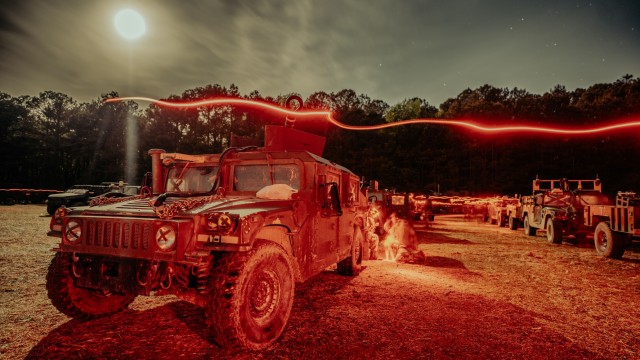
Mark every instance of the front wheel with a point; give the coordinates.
(554, 232)
(76, 302)
(352, 265)
(608, 243)
(252, 300)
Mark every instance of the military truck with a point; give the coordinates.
(615, 225)
(230, 232)
(557, 206)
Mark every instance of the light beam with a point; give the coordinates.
(329, 117)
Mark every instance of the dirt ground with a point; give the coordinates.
(483, 292)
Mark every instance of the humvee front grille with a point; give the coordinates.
(127, 235)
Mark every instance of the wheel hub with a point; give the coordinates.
(264, 296)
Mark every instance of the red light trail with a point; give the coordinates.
(329, 117)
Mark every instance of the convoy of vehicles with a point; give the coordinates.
(230, 232)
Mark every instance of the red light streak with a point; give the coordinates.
(329, 117)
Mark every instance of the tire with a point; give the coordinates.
(608, 243)
(554, 232)
(252, 297)
(528, 229)
(51, 209)
(352, 265)
(80, 303)
(513, 223)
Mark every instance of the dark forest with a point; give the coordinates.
(51, 141)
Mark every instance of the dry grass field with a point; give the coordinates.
(482, 292)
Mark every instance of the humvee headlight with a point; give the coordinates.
(73, 231)
(221, 223)
(165, 237)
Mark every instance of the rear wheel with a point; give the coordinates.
(554, 232)
(76, 302)
(251, 303)
(608, 243)
(513, 223)
(528, 229)
(352, 265)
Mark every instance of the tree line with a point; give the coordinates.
(52, 141)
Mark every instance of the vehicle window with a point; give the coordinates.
(191, 178)
(255, 177)
(288, 174)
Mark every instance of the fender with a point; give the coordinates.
(279, 234)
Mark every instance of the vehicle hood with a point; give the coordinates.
(241, 205)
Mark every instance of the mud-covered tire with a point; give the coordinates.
(80, 303)
(528, 229)
(554, 232)
(608, 243)
(251, 297)
(352, 265)
(513, 223)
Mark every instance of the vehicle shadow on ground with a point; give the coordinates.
(324, 323)
(175, 330)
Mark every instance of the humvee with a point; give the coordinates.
(231, 232)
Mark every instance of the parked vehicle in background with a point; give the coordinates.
(557, 206)
(17, 195)
(77, 195)
(514, 214)
(81, 195)
(615, 225)
(497, 210)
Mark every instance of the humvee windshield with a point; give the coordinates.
(255, 177)
(191, 179)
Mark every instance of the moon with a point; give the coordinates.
(130, 24)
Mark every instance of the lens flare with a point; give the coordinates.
(328, 116)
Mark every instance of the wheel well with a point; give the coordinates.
(279, 234)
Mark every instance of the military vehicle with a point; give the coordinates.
(615, 225)
(557, 206)
(230, 232)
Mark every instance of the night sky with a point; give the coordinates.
(388, 50)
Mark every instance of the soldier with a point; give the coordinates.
(401, 241)
(373, 222)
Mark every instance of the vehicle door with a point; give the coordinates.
(328, 220)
